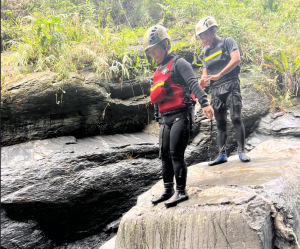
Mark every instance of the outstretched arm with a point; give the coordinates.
(187, 74)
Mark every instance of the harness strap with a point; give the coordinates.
(184, 140)
(187, 93)
(161, 140)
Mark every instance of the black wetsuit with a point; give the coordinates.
(226, 94)
(175, 125)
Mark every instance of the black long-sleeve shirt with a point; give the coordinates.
(185, 71)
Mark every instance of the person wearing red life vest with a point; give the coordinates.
(222, 66)
(173, 94)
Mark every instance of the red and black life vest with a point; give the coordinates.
(168, 94)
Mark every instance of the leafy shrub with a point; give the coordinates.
(68, 35)
(288, 73)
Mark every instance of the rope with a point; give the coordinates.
(211, 130)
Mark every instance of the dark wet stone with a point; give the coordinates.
(256, 138)
(279, 124)
(112, 227)
(73, 188)
(36, 107)
(22, 234)
(276, 124)
(77, 187)
(91, 242)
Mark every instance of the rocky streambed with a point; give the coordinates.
(69, 190)
(66, 192)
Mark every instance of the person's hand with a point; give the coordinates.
(206, 78)
(208, 112)
(158, 125)
(212, 77)
(202, 83)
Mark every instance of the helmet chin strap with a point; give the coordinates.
(214, 34)
(166, 52)
(165, 49)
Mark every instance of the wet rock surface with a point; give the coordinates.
(65, 192)
(22, 234)
(66, 189)
(276, 124)
(279, 123)
(233, 205)
(69, 182)
(42, 106)
(29, 234)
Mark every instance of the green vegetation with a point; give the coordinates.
(70, 40)
(69, 35)
(286, 81)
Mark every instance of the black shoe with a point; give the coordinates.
(169, 191)
(221, 158)
(180, 195)
(243, 157)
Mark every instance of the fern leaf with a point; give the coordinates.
(137, 61)
(296, 65)
(271, 66)
(275, 62)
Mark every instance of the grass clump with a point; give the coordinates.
(63, 45)
(69, 35)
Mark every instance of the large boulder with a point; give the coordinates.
(281, 123)
(42, 106)
(68, 189)
(233, 205)
(277, 124)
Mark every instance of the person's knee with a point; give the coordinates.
(165, 155)
(222, 125)
(236, 120)
(164, 150)
(221, 120)
(176, 155)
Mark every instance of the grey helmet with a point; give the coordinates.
(155, 35)
(205, 24)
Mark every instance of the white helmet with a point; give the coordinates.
(204, 24)
(155, 35)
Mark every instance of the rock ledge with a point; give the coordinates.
(234, 205)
